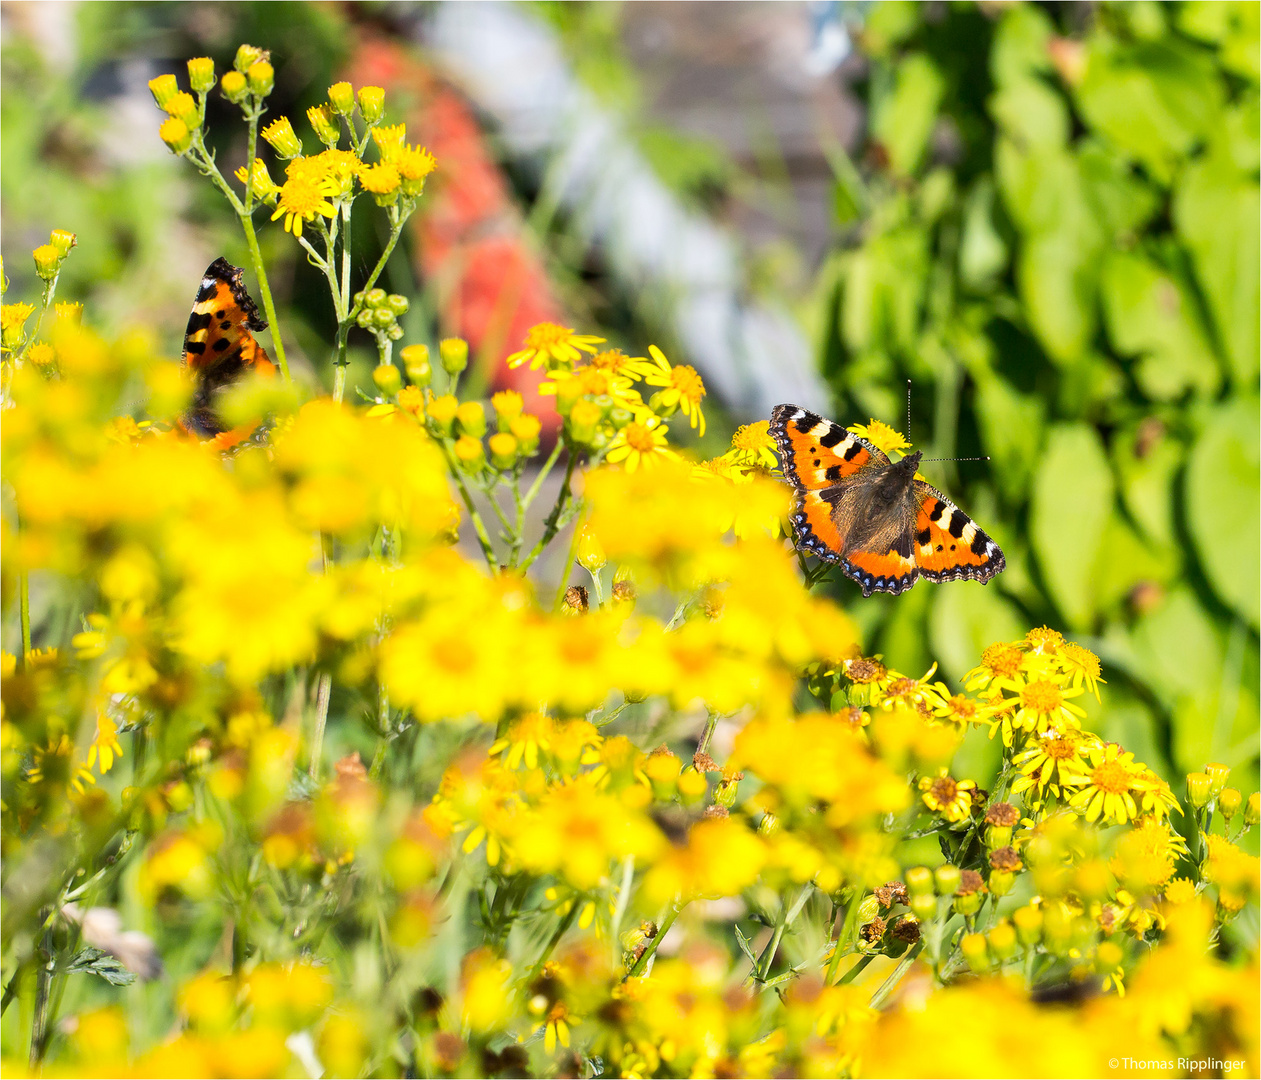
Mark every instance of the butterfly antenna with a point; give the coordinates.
(908, 410)
(985, 458)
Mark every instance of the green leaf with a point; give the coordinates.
(1148, 467)
(1217, 213)
(746, 946)
(1021, 42)
(1057, 274)
(1235, 25)
(1072, 501)
(1031, 112)
(1152, 100)
(1150, 315)
(93, 960)
(966, 618)
(1125, 561)
(903, 120)
(1223, 501)
(1177, 648)
(1011, 430)
(1121, 202)
(982, 251)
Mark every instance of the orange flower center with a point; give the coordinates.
(1041, 697)
(944, 790)
(962, 707)
(1111, 777)
(546, 334)
(608, 360)
(639, 437)
(453, 654)
(1058, 749)
(685, 380)
(1002, 660)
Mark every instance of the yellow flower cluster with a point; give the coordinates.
(383, 808)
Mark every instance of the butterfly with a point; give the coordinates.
(854, 506)
(219, 347)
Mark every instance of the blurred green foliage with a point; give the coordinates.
(1054, 232)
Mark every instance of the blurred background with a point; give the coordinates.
(1045, 215)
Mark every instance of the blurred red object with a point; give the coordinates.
(471, 244)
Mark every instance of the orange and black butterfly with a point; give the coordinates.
(855, 507)
(219, 348)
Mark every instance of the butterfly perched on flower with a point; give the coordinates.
(855, 507)
(219, 348)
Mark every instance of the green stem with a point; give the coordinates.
(710, 724)
(890, 984)
(651, 948)
(50, 290)
(552, 525)
(43, 994)
(565, 924)
(24, 615)
(264, 290)
(856, 970)
(483, 537)
(323, 693)
(842, 939)
(768, 955)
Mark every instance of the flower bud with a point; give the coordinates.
(1199, 789)
(371, 104)
(508, 405)
(1001, 882)
(1252, 809)
(397, 304)
(1057, 928)
(470, 453)
(974, 952)
(946, 878)
(70, 311)
(583, 418)
(63, 240)
(323, 122)
(247, 56)
(387, 378)
(261, 183)
(924, 905)
(382, 318)
(968, 903)
(1028, 920)
(1108, 957)
(472, 419)
(454, 355)
(997, 836)
(262, 77)
(568, 393)
(234, 86)
(526, 428)
(416, 363)
(201, 74)
(176, 135)
(1218, 774)
(503, 450)
(342, 98)
(280, 134)
(1229, 802)
(868, 909)
(163, 88)
(47, 261)
(375, 298)
(919, 881)
(442, 412)
(1002, 940)
(184, 107)
(590, 554)
(395, 333)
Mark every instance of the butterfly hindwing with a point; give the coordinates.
(219, 343)
(891, 572)
(949, 545)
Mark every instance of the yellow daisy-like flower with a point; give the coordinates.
(950, 798)
(551, 345)
(54, 763)
(413, 164)
(881, 436)
(1047, 763)
(681, 386)
(1081, 665)
(301, 199)
(105, 747)
(264, 187)
(752, 446)
(1108, 784)
(389, 137)
(588, 381)
(1042, 706)
(641, 442)
(1001, 664)
(614, 362)
(529, 735)
(341, 167)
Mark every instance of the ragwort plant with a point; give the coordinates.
(670, 824)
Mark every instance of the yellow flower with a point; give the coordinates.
(881, 436)
(1082, 665)
(263, 186)
(1108, 784)
(753, 447)
(1048, 762)
(381, 179)
(339, 166)
(950, 798)
(413, 164)
(682, 387)
(389, 138)
(105, 746)
(1042, 706)
(54, 764)
(300, 200)
(641, 442)
(549, 345)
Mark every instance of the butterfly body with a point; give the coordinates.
(219, 347)
(855, 507)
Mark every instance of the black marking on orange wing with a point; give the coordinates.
(219, 342)
(949, 545)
